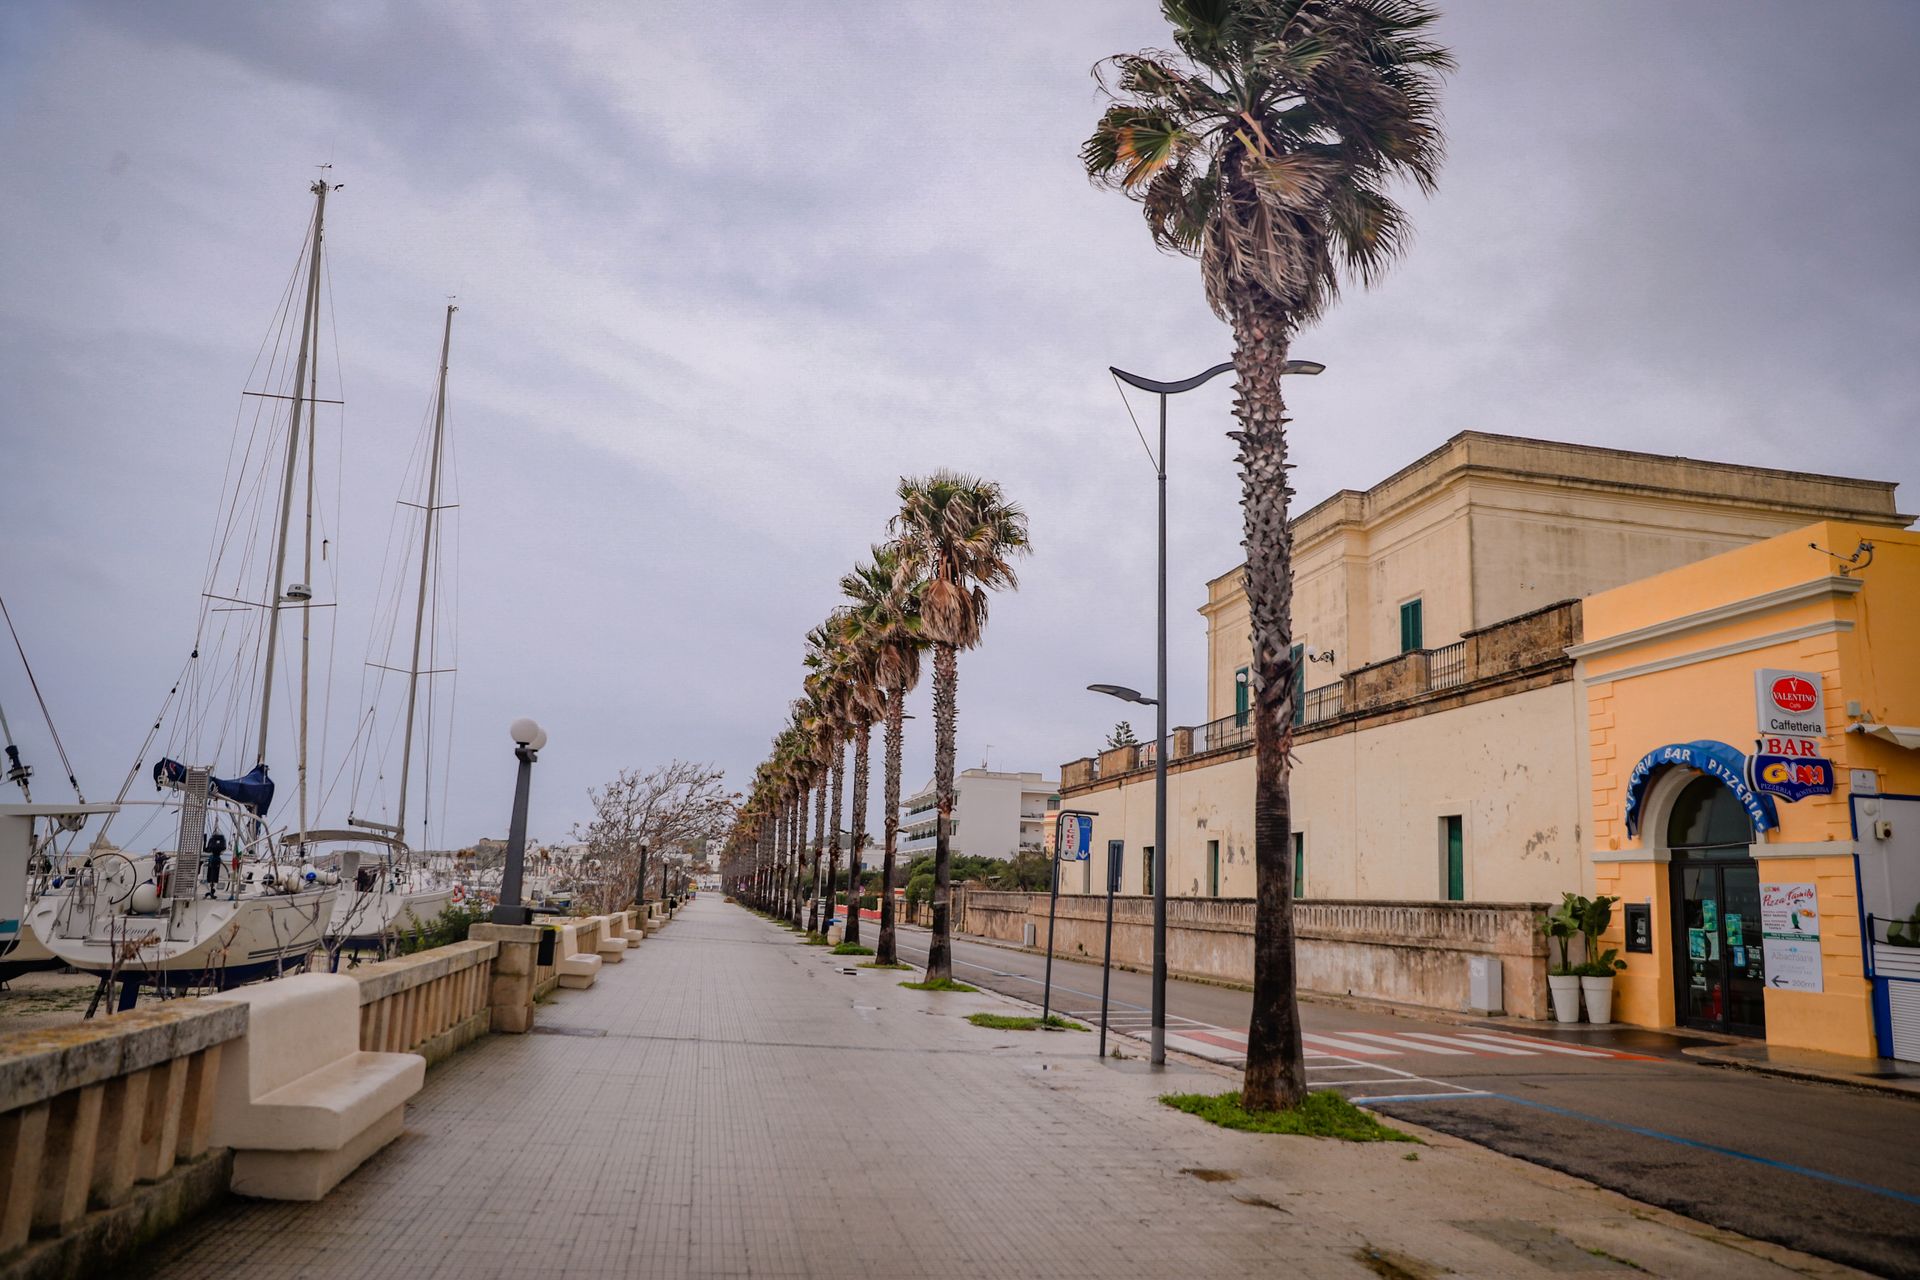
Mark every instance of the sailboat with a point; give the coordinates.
(385, 891)
(227, 900)
(29, 859)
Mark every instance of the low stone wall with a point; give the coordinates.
(432, 1003)
(104, 1134)
(1407, 952)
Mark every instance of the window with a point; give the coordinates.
(1456, 858)
(1086, 873)
(1242, 696)
(1213, 868)
(1412, 633)
(1146, 870)
(1299, 864)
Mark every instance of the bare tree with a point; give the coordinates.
(674, 809)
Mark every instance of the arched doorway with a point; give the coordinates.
(1719, 974)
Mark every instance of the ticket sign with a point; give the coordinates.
(1789, 703)
(1790, 936)
(1075, 838)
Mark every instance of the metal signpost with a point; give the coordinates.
(1115, 850)
(1072, 838)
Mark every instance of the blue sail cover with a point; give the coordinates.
(253, 791)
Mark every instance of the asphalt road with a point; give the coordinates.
(1821, 1168)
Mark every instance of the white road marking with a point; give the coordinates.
(1482, 1043)
(1481, 1037)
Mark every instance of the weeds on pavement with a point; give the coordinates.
(1004, 1022)
(938, 984)
(1324, 1114)
(851, 949)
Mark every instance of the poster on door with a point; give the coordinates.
(1790, 936)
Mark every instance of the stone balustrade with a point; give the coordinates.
(104, 1133)
(431, 1003)
(1411, 953)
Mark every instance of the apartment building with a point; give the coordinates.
(995, 815)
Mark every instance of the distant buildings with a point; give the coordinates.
(995, 815)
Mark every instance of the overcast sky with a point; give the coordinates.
(726, 271)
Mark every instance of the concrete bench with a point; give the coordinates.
(612, 947)
(297, 1099)
(577, 969)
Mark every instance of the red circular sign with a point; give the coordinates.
(1791, 693)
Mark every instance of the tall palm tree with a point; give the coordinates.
(860, 651)
(884, 620)
(828, 683)
(1267, 150)
(960, 536)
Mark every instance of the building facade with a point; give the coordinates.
(1750, 728)
(995, 815)
(1444, 761)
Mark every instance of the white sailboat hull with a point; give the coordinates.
(369, 918)
(216, 942)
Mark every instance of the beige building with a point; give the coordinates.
(1442, 762)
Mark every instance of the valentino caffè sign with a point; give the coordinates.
(1790, 703)
(1791, 712)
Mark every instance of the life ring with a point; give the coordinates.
(459, 893)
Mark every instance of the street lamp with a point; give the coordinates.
(528, 738)
(1159, 700)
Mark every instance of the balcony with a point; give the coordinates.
(1516, 648)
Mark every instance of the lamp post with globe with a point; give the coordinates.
(528, 738)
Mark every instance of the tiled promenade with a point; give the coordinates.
(730, 1103)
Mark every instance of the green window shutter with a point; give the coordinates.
(1412, 633)
(1296, 656)
(1213, 868)
(1456, 861)
(1146, 870)
(1242, 696)
(1299, 864)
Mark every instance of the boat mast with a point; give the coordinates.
(426, 554)
(306, 579)
(293, 457)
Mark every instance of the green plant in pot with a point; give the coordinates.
(1905, 933)
(1596, 972)
(1563, 981)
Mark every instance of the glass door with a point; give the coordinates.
(1722, 978)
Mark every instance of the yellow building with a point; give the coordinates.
(1755, 791)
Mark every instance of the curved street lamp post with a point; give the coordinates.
(1159, 701)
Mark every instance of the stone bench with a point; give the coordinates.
(297, 1099)
(578, 969)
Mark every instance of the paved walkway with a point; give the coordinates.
(729, 1102)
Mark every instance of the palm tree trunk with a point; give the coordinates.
(796, 841)
(946, 680)
(1276, 1070)
(819, 848)
(833, 836)
(862, 738)
(896, 707)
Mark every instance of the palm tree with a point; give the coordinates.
(960, 536)
(884, 620)
(1267, 151)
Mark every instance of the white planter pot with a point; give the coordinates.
(1599, 994)
(1565, 989)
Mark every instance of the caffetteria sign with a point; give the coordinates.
(1789, 703)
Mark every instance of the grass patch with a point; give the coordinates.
(1324, 1114)
(852, 949)
(1003, 1022)
(938, 984)
(895, 965)
(815, 940)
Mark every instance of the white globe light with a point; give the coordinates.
(527, 733)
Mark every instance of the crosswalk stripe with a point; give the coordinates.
(1412, 1045)
(1333, 1044)
(1477, 1045)
(1544, 1045)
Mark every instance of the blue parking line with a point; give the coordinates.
(1834, 1178)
